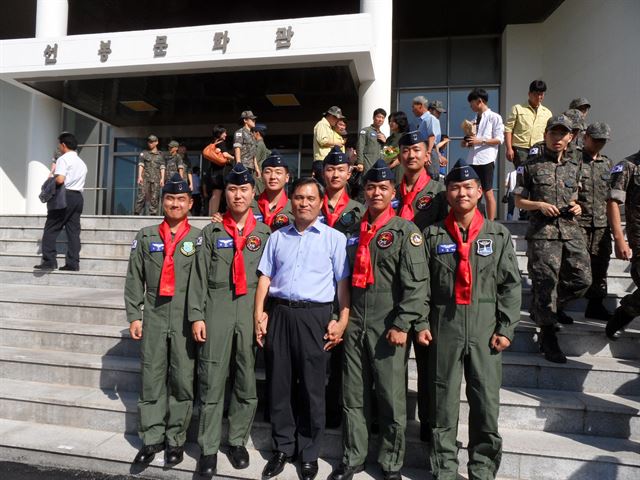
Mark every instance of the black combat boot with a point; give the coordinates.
(563, 318)
(618, 321)
(549, 345)
(596, 309)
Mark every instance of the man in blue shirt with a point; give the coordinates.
(302, 267)
(429, 128)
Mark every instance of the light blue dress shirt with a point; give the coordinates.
(305, 266)
(429, 125)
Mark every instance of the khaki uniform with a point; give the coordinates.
(396, 299)
(592, 197)
(461, 335)
(625, 188)
(230, 334)
(559, 265)
(368, 147)
(149, 191)
(284, 218)
(244, 139)
(167, 352)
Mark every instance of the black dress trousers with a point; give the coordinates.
(69, 219)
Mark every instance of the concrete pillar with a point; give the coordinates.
(377, 92)
(51, 18)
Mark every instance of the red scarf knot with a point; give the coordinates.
(239, 242)
(362, 268)
(332, 218)
(168, 274)
(263, 204)
(408, 197)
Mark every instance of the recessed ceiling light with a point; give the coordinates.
(283, 100)
(139, 105)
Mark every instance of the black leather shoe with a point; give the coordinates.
(45, 266)
(619, 320)
(173, 455)
(308, 470)
(239, 457)
(345, 472)
(275, 465)
(563, 318)
(148, 453)
(549, 345)
(67, 268)
(392, 475)
(208, 464)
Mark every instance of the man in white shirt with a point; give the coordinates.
(71, 172)
(483, 146)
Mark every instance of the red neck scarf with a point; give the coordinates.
(408, 197)
(239, 241)
(263, 205)
(463, 274)
(362, 269)
(168, 274)
(332, 218)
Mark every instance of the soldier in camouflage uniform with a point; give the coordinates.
(594, 191)
(174, 162)
(625, 189)
(579, 127)
(582, 105)
(244, 143)
(547, 185)
(151, 175)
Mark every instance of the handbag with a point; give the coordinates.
(505, 198)
(213, 154)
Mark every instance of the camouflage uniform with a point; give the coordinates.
(174, 164)
(558, 266)
(592, 197)
(153, 164)
(244, 139)
(625, 188)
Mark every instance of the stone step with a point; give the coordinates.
(130, 222)
(83, 278)
(611, 301)
(88, 234)
(526, 455)
(92, 248)
(619, 268)
(87, 263)
(72, 337)
(520, 244)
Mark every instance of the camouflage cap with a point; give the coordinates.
(599, 131)
(247, 114)
(152, 138)
(579, 102)
(173, 144)
(335, 111)
(559, 121)
(576, 118)
(437, 105)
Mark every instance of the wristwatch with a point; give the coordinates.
(484, 142)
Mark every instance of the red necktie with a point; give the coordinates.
(263, 205)
(408, 197)
(239, 241)
(168, 274)
(332, 218)
(464, 279)
(362, 269)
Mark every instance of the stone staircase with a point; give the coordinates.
(69, 376)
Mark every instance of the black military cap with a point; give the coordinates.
(379, 172)
(175, 185)
(461, 172)
(411, 138)
(260, 128)
(239, 176)
(599, 131)
(275, 160)
(560, 121)
(336, 157)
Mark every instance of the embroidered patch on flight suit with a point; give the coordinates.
(423, 203)
(280, 221)
(258, 217)
(224, 243)
(134, 244)
(385, 239)
(187, 249)
(348, 219)
(353, 241)
(395, 203)
(156, 247)
(199, 241)
(415, 239)
(253, 243)
(444, 248)
(485, 247)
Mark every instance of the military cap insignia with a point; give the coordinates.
(348, 219)
(618, 168)
(134, 244)
(187, 249)
(180, 187)
(424, 202)
(485, 247)
(280, 221)
(199, 241)
(415, 239)
(253, 243)
(385, 239)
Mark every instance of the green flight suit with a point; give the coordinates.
(429, 205)
(165, 412)
(230, 334)
(284, 218)
(396, 299)
(368, 147)
(262, 153)
(461, 335)
(349, 218)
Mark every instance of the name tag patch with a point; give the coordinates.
(445, 248)
(258, 217)
(198, 241)
(224, 243)
(156, 247)
(485, 247)
(395, 203)
(353, 241)
(134, 244)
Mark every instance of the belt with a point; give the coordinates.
(298, 304)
